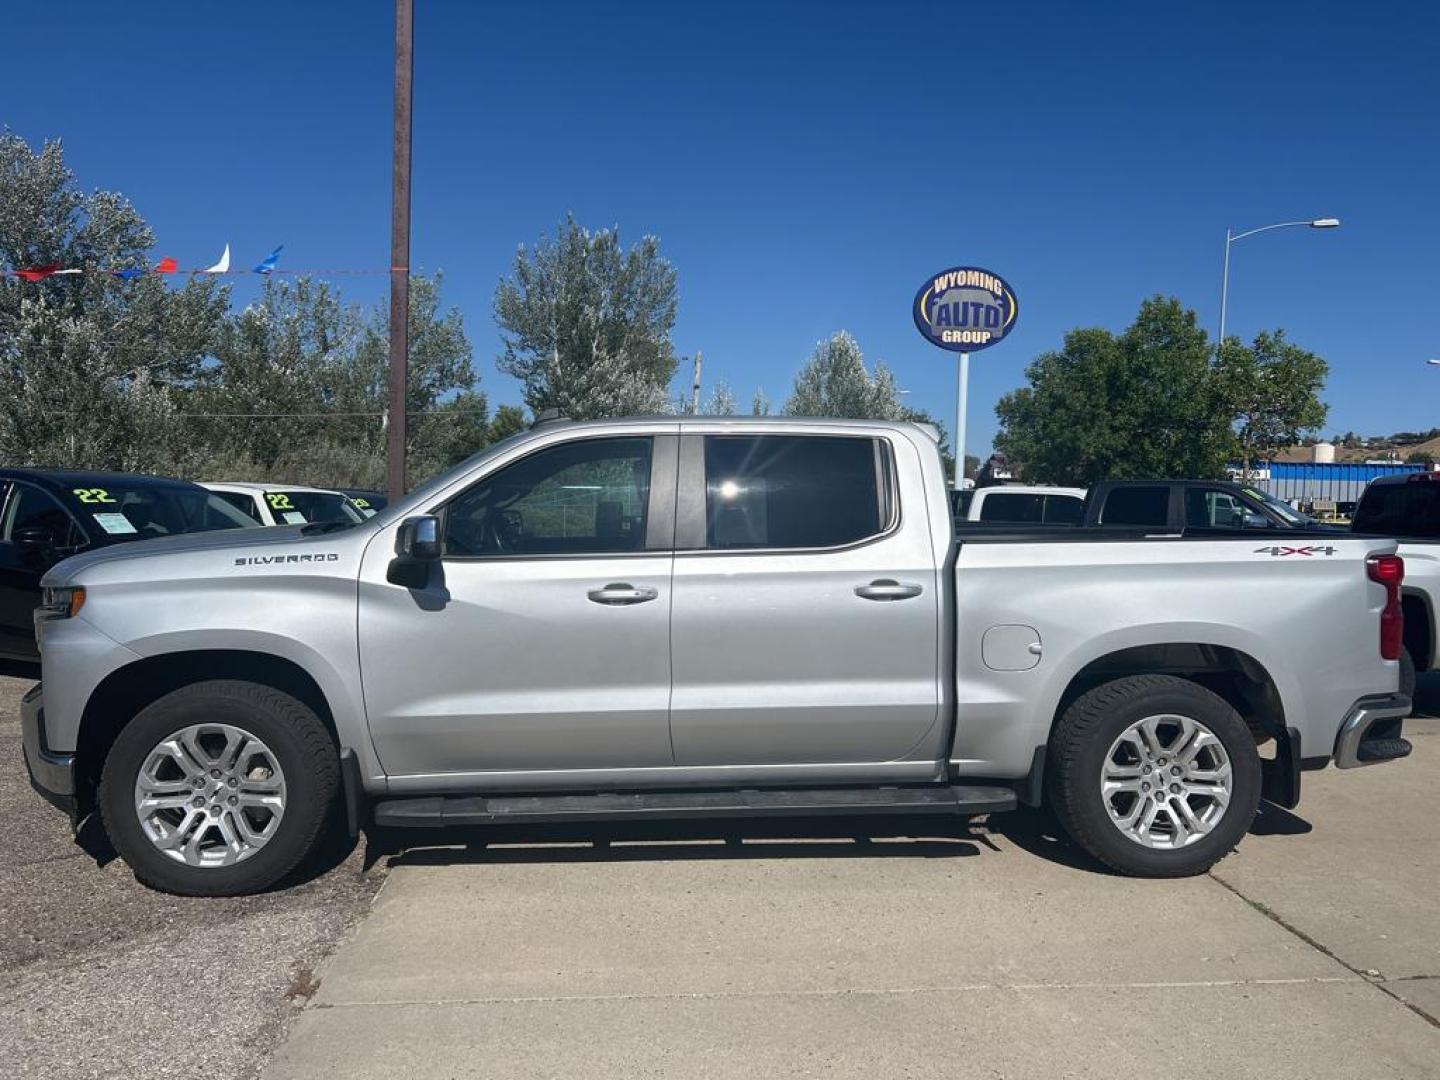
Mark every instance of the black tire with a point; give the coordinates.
(1078, 748)
(306, 755)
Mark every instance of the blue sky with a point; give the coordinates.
(806, 166)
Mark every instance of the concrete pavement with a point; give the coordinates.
(1312, 952)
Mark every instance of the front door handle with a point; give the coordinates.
(620, 593)
(886, 589)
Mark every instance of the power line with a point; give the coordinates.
(313, 415)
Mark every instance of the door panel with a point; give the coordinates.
(20, 573)
(803, 656)
(502, 665)
(542, 639)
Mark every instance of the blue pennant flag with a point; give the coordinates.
(126, 275)
(268, 263)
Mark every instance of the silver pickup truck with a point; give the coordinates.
(701, 617)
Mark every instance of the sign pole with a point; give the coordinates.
(962, 390)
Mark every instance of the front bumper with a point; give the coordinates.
(52, 775)
(1370, 734)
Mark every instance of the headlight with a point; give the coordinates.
(62, 602)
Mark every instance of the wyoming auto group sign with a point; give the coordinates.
(965, 309)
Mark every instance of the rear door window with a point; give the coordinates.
(1147, 506)
(1020, 508)
(1064, 510)
(793, 491)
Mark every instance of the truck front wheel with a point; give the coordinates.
(1154, 775)
(220, 788)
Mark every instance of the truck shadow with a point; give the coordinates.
(20, 669)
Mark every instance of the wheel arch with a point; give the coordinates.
(1419, 627)
(129, 689)
(1232, 673)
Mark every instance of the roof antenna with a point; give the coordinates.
(547, 416)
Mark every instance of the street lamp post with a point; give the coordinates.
(1316, 223)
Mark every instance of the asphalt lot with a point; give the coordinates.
(786, 950)
(101, 977)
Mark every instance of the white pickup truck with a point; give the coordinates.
(701, 617)
(1020, 504)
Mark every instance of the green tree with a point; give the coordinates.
(721, 401)
(586, 324)
(1143, 404)
(90, 365)
(299, 389)
(509, 420)
(835, 382)
(947, 454)
(1272, 389)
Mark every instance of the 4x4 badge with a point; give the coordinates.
(1308, 549)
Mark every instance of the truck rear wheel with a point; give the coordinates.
(220, 788)
(1154, 775)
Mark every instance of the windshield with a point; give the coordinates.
(123, 511)
(306, 507)
(369, 505)
(1283, 510)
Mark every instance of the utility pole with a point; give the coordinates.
(695, 387)
(400, 249)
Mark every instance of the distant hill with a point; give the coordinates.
(1374, 449)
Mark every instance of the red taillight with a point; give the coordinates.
(1389, 570)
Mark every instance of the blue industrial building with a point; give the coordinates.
(1309, 482)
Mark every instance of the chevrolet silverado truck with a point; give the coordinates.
(691, 618)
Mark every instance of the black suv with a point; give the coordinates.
(48, 514)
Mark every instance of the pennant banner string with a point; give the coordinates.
(168, 265)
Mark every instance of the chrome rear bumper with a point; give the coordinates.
(1371, 731)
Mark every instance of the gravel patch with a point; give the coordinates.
(102, 977)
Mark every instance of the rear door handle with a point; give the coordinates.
(886, 589)
(620, 593)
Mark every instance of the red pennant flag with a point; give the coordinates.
(38, 273)
(167, 266)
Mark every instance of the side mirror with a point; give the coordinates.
(34, 538)
(419, 539)
(1257, 521)
(417, 545)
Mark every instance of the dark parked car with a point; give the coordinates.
(47, 514)
(1191, 504)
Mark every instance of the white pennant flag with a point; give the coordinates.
(223, 266)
